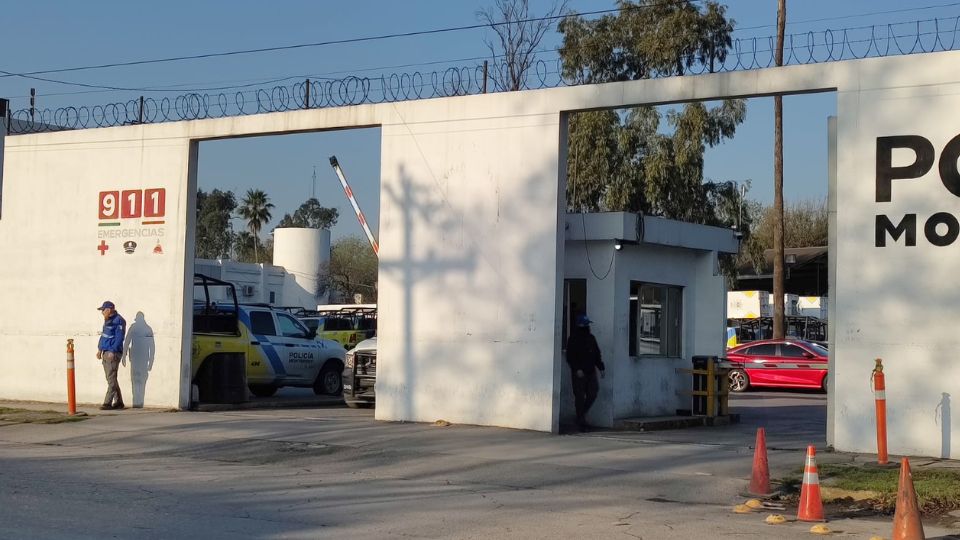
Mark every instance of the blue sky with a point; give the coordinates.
(54, 34)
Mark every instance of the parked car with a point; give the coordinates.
(360, 374)
(347, 325)
(279, 350)
(790, 363)
(344, 331)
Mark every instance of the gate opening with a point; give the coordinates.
(657, 301)
(277, 229)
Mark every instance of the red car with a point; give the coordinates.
(790, 363)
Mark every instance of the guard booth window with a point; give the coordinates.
(655, 319)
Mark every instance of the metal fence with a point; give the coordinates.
(921, 36)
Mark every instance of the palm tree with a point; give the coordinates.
(243, 246)
(255, 208)
(778, 285)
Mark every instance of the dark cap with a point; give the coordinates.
(107, 304)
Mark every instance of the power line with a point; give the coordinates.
(257, 82)
(98, 88)
(852, 16)
(336, 41)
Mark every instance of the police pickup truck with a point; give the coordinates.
(360, 375)
(280, 351)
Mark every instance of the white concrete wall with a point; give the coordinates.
(471, 254)
(468, 257)
(896, 302)
(54, 277)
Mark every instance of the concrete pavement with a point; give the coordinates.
(335, 472)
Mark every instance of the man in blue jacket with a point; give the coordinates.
(110, 350)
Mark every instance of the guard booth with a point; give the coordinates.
(656, 296)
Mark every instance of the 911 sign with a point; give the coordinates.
(133, 203)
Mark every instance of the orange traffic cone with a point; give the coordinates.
(906, 520)
(811, 506)
(760, 479)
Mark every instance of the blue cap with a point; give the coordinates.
(583, 320)
(107, 304)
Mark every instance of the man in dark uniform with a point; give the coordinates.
(110, 350)
(583, 355)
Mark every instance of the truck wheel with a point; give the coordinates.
(330, 380)
(262, 390)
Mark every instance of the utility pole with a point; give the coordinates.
(313, 191)
(743, 192)
(778, 247)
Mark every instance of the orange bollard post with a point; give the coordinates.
(880, 396)
(71, 385)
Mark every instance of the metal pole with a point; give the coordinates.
(356, 207)
(5, 124)
(140, 116)
(4, 115)
(33, 103)
(484, 76)
(306, 103)
(743, 190)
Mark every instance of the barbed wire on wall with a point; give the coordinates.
(921, 36)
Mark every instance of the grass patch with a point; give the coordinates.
(28, 416)
(938, 490)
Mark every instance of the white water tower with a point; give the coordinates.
(301, 252)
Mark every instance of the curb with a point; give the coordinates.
(271, 404)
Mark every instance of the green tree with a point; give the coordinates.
(805, 225)
(352, 269)
(214, 231)
(255, 208)
(245, 247)
(311, 215)
(621, 160)
(645, 39)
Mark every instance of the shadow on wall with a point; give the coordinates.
(943, 415)
(427, 208)
(463, 259)
(140, 349)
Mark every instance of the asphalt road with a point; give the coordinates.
(337, 473)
